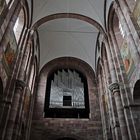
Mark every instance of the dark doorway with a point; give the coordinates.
(67, 101)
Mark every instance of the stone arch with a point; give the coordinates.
(1, 88)
(136, 92)
(1, 95)
(51, 132)
(28, 12)
(110, 16)
(64, 62)
(68, 62)
(68, 15)
(136, 108)
(99, 66)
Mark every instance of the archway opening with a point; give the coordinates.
(136, 93)
(1, 88)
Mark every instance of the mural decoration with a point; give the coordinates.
(9, 54)
(10, 49)
(127, 58)
(136, 12)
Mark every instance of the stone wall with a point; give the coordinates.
(52, 129)
(48, 128)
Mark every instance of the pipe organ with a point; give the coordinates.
(67, 83)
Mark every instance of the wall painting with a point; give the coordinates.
(10, 50)
(127, 58)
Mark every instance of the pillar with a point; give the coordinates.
(17, 101)
(103, 117)
(113, 120)
(19, 86)
(114, 88)
(114, 80)
(23, 76)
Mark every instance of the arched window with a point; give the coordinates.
(66, 95)
(19, 24)
(136, 93)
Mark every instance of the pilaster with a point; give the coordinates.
(114, 88)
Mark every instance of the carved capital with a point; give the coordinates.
(20, 84)
(114, 87)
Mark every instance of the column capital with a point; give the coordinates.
(114, 87)
(20, 84)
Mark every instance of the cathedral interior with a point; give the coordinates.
(69, 69)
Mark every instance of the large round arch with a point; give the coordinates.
(39, 114)
(136, 92)
(64, 62)
(1, 88)
(68, 15)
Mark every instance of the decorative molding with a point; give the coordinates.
(114, 87)
(20, 84)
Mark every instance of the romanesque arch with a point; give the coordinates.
(49, 131)
(1, 88)
(136, 92)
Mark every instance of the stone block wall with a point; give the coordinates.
(55, 128)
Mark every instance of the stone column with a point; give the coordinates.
(24, 77)
(125, 94)
(114, 88)
(17, 101)
(103, 117)
(19, 86)
(114, 80)
(113, 119)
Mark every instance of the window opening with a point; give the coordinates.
(121, 30)
(19, 24)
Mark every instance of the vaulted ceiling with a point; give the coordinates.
(69, 35)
